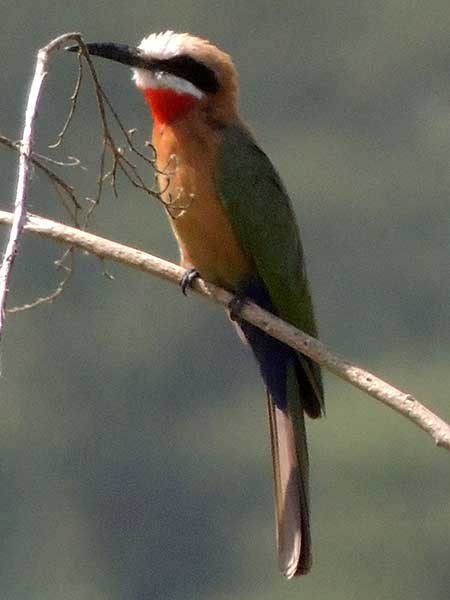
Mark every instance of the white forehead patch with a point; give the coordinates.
(161, 46)
(167, 44)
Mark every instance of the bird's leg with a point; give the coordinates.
(187, 279)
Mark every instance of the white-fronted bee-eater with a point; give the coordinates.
(235, 226)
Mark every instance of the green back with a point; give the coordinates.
(262, 217)
(261, 214)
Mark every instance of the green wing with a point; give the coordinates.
(262, 217)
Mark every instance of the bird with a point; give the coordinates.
(236, 228)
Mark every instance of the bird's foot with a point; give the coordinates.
(187, 279)
(235, 306)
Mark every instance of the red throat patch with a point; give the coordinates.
(169, 105)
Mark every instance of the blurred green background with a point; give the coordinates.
(134, 448)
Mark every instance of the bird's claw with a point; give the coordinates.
(187, 279)
(234, 306)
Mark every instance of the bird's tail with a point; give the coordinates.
(291, 474)
(290, 394)
(294, 387)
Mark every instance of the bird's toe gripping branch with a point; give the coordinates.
(187, 279)
(235, 306)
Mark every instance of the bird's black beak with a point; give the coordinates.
(127, 55)
(183, 66)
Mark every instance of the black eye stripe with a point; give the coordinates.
(192, 70)
(183, 66)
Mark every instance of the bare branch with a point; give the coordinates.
(120, 161)
(23, 180)
(65, 190)
(403, 403)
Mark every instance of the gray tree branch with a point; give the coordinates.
(23, 177)
(402, 402)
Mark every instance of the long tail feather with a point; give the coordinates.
(293, 388)
(290, 470)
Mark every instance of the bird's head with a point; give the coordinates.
(178, 72)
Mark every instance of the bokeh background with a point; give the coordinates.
(134, 454)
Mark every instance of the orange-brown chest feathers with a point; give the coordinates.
(187, 153)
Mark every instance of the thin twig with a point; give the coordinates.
(60, 288)
(403, 403)
(120, 160)
(37, 159)
(23, 179)
(72, 162)
(73, 105)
